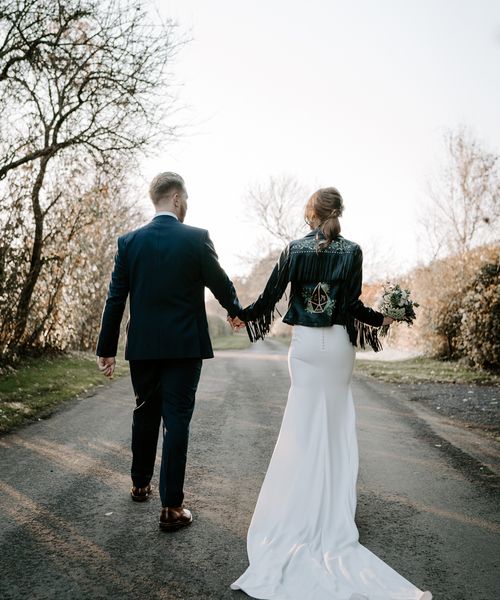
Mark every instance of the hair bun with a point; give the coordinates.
(322, 210)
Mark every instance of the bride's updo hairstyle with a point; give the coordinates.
(323, 210)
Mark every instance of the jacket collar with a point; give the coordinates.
(164, 218)
(313, 232)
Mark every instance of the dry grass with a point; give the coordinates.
(422, 369)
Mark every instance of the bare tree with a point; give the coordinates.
(93, 208)
(277, 207)
(76, 75)
(463, 206)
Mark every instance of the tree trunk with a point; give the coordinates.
(23, 307)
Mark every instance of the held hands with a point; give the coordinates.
(236, 323)
(106, 365)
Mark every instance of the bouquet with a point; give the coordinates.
(396, 303)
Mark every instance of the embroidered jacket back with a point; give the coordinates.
(325, 289)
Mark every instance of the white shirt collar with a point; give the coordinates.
(166, 212)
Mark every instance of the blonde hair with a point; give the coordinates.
(163, 183)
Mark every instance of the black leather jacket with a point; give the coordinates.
(325, 289)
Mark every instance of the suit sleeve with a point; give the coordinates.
(216, 280)
(112, 315)
(259, 315)
(355, 306)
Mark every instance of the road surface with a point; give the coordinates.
(70, 531)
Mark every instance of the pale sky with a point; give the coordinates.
(351, 94)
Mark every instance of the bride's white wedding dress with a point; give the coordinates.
(303, 542)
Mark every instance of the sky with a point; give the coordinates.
(355, 95)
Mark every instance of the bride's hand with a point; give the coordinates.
(387, 320)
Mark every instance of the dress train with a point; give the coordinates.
(302, 542)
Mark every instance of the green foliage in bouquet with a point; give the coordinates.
(396, 303)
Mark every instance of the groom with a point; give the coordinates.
(163, 267)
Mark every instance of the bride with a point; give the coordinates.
(302, 542)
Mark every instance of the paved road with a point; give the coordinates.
(70, 531)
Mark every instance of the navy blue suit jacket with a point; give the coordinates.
(164, 267)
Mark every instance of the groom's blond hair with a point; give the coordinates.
(163, 183)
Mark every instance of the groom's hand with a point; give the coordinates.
(106, 365)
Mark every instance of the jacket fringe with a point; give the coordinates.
(321, 266)
(260, 327)
(361, 334)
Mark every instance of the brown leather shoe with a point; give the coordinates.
(172, 518)
(140, 494)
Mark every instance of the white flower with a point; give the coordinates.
(397, 313)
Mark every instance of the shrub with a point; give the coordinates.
(480, 319)
(217, 326)
(458, 316)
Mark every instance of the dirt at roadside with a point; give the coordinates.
(476, 406)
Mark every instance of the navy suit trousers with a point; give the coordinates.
(165, 390)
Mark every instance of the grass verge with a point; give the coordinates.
(38, 385)
(425, 370)
(235, 341)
